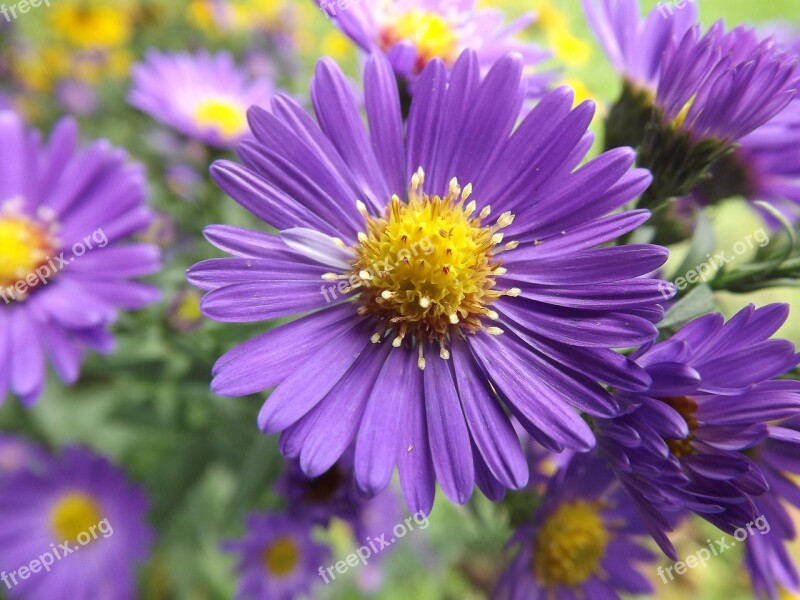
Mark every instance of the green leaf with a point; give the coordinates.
(704, 243)
(698, 302)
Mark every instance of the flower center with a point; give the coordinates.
(24, 247)
(570, 545)
(226, 116)
(323, 488)
(427, 268)
(686, 407)
(74, 514)
(430, 32)
(281, 557)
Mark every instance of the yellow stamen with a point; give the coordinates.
(428, 266)
(570, 545)
(25, 245)
(431, 33)
(225, 116)
(281, 557)
(74, 514)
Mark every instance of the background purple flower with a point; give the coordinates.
(203, 96)
(278, 559)
(583, 542)
(413, 32)
(63, 215)
(81, 499)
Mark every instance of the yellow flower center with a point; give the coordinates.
(282, 556)
(570, 545)
(74, 514)
(430, 32)
(228, 118)
(686, 407)
(427, 268)
(24, 246)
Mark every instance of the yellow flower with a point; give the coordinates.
(91, 26)
(337, 45)
(569, 48)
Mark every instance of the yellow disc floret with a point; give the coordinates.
(431, 33)
(228, 118)
(570, 545)
(686, 407)
(75, 513)
(282, 556)
(25, 245)
(427, 269)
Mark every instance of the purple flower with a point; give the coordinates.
(635, 46)
(83, 503)
(413, 32)
(688, 96)
(764, 166)
(18, 454)
(767, 558)
(64, 273)
(278, 559)
(736, 82)
(682, 444)
(428, 317)
(201, 95)
(583, 543)
(335, 494)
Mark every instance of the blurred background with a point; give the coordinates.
(148, 406)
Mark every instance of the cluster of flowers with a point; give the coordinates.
(512, 323)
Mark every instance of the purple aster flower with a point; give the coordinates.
(335, 494)
(77, 97)
(201, 95)
(413, 32)
(18, 454)
(767, 558)
(765, 165)
(736, 83)
(685, 119)
(635, 45)
(80, 502)
(681, 445)
(427, 317)
(278, 559)
(64, 273)
(584, 542)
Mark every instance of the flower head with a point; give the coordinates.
(447, 276)
(682, 444)
(203, 96)
(767, 557)
(18, 454)
(635, 45)
(583, 542)
(335, 494)
(277, 558)
(765, 165)
(413, 32)
(80, 501)
(64, 273)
